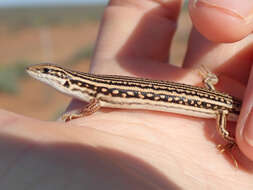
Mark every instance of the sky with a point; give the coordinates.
(47, 2)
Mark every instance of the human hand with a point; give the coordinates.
(133, 149)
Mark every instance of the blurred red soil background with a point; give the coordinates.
(62, 35)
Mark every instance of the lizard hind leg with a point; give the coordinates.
(222, 130)
(91, 108)
(209, 78)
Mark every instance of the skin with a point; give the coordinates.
(126, 149)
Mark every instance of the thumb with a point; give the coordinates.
(222, 20)
(244, 130)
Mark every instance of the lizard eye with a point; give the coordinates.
(45, 70)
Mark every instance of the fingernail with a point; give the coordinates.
(248, 129)
(243, 10)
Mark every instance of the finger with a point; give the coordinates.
(133, 30)
(222, 20)
(232, 60)
(244, 130)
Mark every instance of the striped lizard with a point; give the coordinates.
(138, 93)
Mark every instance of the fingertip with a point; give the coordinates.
(219, 24)
(244, 133)
(245, 136)
(244, 129)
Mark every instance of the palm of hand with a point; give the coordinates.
(178, 145)
(132, 149)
